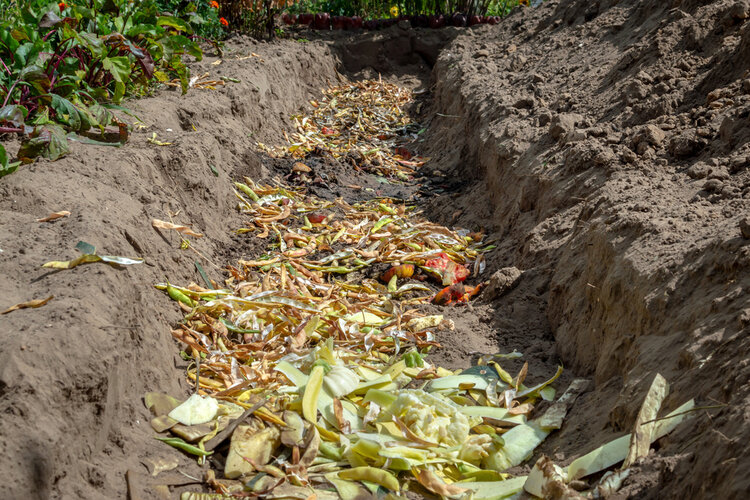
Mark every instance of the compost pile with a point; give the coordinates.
(363, 123)
(310, 364)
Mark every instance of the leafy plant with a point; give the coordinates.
(6, 167)
(202, 15)
(66, 66)
(370, 9)
(255, 17)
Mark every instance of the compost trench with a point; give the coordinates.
(603, 146)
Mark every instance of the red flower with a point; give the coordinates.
(223, 21)
(214, 4)
(62, 6)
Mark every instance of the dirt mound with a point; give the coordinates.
(612, 141)
(73, 373)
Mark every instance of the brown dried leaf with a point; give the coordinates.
(338, 411)
(522, 375)
(54, 216)
(301, 167)
(640, 439)
(436, 485)
(160, 224)
(30, 304)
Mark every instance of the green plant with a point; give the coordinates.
(255, 17)
(503, 7)
(65, 66)
(370, 9)
(202, 15)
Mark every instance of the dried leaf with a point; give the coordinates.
(181, 229)
(54, 216)
(640, 440)
(343, 424)
(429, 480)
(30, 304)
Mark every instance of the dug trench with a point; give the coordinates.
(577, 137)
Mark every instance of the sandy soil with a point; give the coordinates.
(604, 145)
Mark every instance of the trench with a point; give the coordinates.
(581, 300)
(507, 318)
(510, 317)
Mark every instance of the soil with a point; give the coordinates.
(603, 145)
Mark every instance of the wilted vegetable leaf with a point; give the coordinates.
(195, 410)
(48, 141)
(54, 216)
(28, 304)
(181, 229)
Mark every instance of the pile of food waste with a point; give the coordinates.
(363, 124)
(310, 364)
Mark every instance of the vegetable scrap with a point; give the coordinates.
(201, 82)
(54, 216)
(160, 224)
(154, 140)
(362, 123)
(547, 479)
(28, 304)
(324, 340)
(89, 256)
(311, 364)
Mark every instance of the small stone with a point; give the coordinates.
(740, 10)
(653, 135)
(596, 131)
(481, 53)
(745, 228)
(562, 124)
(526, 102)
(502, 281)
(738, 163)
(644, 77)
(713, 95)
(685, 144)
(713, 186)
(719, 172)
(628, 155)
(576, 135)
(698, 171)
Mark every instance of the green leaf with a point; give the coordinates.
(69, 114)
(182, 44)
(26, 54)
(118, 66)
(5, 166)
(175, 23)
(13, 114)
(50, 20)
(47, 140)
(36, 77)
